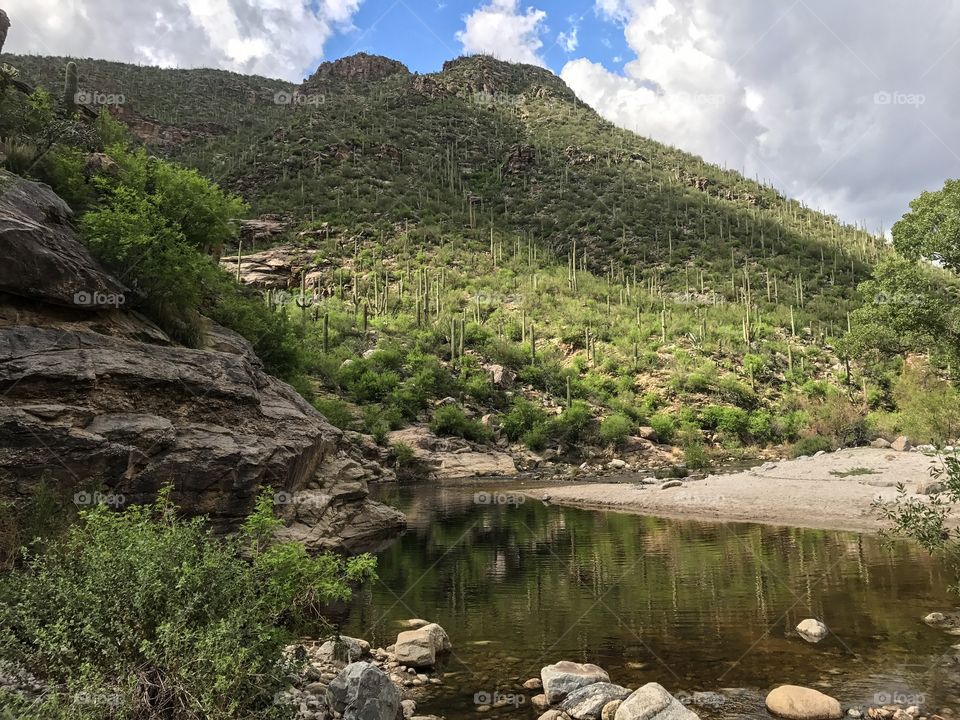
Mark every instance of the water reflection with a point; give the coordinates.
(695, 606)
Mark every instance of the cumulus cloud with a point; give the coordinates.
(849, 109)
(503, 30)
(276, 38)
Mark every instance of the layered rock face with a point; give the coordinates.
(94, 396)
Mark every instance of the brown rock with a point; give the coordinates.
(799, 703)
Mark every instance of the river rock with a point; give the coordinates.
(936, 619)
(552, 715)
(409, 708)
(812, 630)
(562, 678)
(363, 692)
(420, 648)
(671, 484)
(609, 711)
(342, 649)
(653, 702)
(93, 392)
(616, 464)
(880, 444)
(533, 684)
(902, 444)
(588, 702)
(540, 702)
(929, 486)
(800, 703)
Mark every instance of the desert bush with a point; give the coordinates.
(615, 429)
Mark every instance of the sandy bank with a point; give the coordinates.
(798, 493)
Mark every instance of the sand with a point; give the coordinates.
(796, 493)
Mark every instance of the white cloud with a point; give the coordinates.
(788, 93)
(503, 30)
(568, 40)
(276, 38)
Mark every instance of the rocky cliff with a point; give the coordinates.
(94, 397)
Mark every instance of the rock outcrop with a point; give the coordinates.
(361, 66)
(98, 398)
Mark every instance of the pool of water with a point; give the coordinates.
(694, 606)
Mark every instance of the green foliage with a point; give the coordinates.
(929, 405)
(336, 411)
(931, 230)
(615, 429)
(523, 417)
(451, 420)
(664, 426)
(156, 617)
(403, 454)
(810, 446)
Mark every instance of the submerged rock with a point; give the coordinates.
(812, 630)
(588, 702)
(564, 677)
(799, 703)
(653, 702)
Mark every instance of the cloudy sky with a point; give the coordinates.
(850, 106)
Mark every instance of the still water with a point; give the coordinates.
(694, 606)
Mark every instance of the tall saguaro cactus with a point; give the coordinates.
(71, 87)
(4, 26)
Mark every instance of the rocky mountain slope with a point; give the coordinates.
(98, 400)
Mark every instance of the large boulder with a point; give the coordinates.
(653, 702)
(364, 692)
(902, 444)
(588, 702)
(799, 703)
(100, 397)
(421, 647)
(564, 677)
(341, 649)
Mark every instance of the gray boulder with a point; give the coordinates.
(421, 647)
(363, 692)
(342, 649)
(653, 702)
(588, 702)
(564, 677)
(812, 630)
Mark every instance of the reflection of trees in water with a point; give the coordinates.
(601, 583)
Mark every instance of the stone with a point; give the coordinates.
(653, 702)
(616, 464)
(420, 648)
(936, 618)
(812, 630)
(880, 444)
(671, 484)
(539, 702)
(588, 702)
(564, 677)
(533, 684)
(902, 444)
(929, 486)
(648, 433)
(414, 623)
(342, 649)
(363, 692)
(609, 711)
(409, 708)
(799, 703)
(551, 715)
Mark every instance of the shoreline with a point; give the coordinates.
(815, 492)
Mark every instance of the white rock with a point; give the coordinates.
(812, 630)
(653, 702)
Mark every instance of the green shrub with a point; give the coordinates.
(336, 411)
(403, 454)
(536, 438)
(164, 619)
(451, 420)
(523, 417)
(695, 456)
(573, 424)
(615, 429)
(664, 427)
(810, 446)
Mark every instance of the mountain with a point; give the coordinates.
(488, 202)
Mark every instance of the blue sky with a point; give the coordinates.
(848, 106)
(423, 34)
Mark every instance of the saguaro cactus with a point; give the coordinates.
(71, 87)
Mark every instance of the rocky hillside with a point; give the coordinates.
(97, 400)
